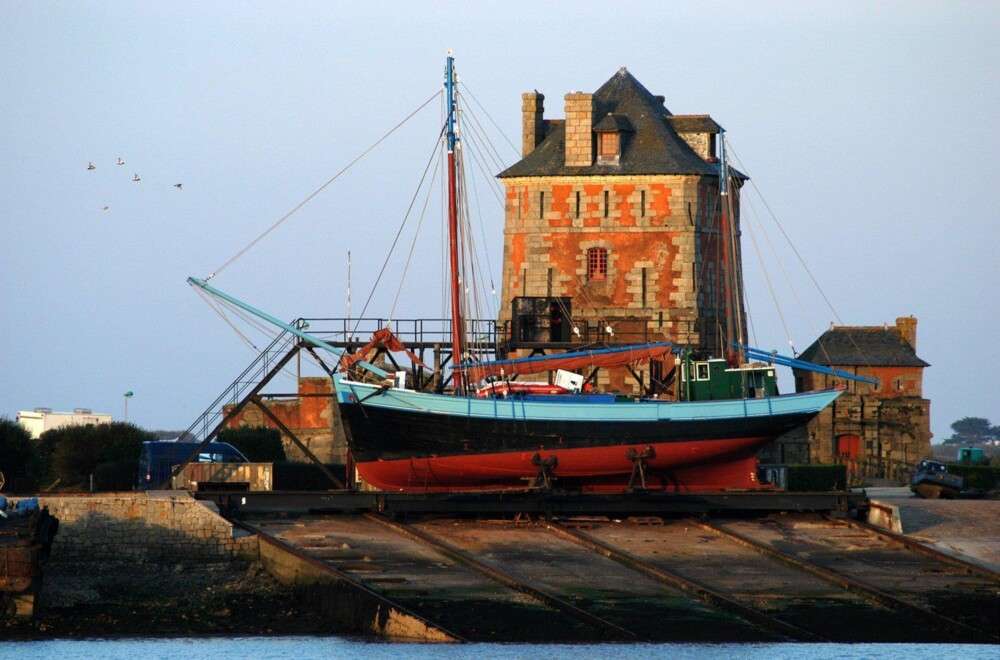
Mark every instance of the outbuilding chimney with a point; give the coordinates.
(579, 129)
(907, 327)
(532, 124)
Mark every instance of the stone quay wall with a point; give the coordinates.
(144, 527)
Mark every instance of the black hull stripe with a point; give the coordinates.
(392, 434)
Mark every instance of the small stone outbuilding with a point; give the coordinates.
(878, 427)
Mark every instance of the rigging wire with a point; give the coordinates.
(416, 235)
(316, 192)
(399, 232)
(517, 152)
(805, 267)
(770, 286)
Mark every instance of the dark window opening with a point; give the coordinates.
(597, 264)
(643, 287)
(578, 203)
(642, 203)
(607, 195)
(541, 204)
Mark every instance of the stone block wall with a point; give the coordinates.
(314, 420)
(579, 129)
(143, 527)
(532, 124)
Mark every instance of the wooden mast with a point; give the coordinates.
(456, 301)
(732, 354)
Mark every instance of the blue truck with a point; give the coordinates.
(159, 457)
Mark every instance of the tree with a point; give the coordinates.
(19, 457)
(77, 451)
(972, 430)
(258, 443)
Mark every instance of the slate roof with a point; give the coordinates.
(862, 346)
(694, 124)
(654, 147)
(613, 123)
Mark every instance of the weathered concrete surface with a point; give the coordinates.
(591, 581)
(885, 565)
(440, 590)
(966, 529)
(789, 595)
(349, 606)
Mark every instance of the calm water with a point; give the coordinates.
(331, 648)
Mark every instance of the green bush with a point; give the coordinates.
(20, 460)
(980, 477)
(816, 478)
(259, 444)
(115, 475)
(76, 451)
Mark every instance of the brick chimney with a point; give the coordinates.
(907, 327)
(579, 129)
(532, 126)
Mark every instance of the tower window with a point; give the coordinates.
(597, 264)
(541, 204)
(642, 203)
(578, 203)
(607, 205)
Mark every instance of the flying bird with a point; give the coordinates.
(135, 177)
(106, 208)
(91, 166)
(179, 186)
(119, 162)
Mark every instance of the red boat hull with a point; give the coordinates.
(685, 466)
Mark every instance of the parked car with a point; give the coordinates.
(159, 457)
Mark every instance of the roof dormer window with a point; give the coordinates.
(608, 146)
(610, 132)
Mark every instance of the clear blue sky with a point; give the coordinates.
(870, 130)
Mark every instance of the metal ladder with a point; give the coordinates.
(247, 384)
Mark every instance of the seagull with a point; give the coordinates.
(91, 166)
(119, 161)
(179, 186)
(135, 177)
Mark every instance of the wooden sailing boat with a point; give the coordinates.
(405, 440)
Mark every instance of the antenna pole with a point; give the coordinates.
(456, 301)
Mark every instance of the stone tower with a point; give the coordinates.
(612, 218)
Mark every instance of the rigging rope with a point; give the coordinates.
(517, 152)
(320, 189)
(805, 266)
(416, 234)
(399, 232)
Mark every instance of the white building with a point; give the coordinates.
(40, 420)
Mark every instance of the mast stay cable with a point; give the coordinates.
(316, 192)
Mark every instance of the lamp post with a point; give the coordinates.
(128, 395)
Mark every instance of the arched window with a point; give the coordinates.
(597, 263)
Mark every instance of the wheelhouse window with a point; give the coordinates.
(597, 264)
(701, 371)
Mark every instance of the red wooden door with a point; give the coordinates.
(849, 446)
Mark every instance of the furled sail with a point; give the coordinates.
(616, 356)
